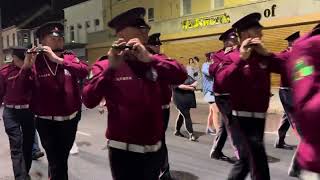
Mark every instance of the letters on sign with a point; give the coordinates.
(270, 12)
(205, 21)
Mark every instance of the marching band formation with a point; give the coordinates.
(44, 89)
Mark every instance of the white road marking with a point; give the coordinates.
(83, 133)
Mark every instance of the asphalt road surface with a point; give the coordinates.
(188, 160)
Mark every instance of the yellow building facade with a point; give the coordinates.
(164, 12)
(191, 27)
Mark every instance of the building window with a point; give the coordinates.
(96, 22)
(186, 7)
(151, 14)
(217, 4)
(72, 34)
(88, 24)
(25, 38)
(14, 39)
(8, 58)
(8, 43)
(79, 26)
(35, 41)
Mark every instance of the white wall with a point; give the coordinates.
(79, 15)
(9, 32)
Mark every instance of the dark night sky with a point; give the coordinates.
(14, 10)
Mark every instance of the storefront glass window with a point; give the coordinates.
(151, 14)
(186, 7)
(218, 3)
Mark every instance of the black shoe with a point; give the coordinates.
(165, 176)
(221, 156)
(178, 133)
(192, 137)
(283, 146)
(37, 155)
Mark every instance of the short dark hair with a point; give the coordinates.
(19, 52)
(191, 59)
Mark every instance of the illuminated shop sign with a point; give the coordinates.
(205, 21)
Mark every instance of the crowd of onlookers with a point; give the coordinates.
(184, 96)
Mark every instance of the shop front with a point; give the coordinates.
(198, 34)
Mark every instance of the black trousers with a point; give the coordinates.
(57, 138)
(35, 147)
(19, 126)
(230, 127)
(252, 152)
(222, 134)
(286, 122)
(126, 165)
(184, 116)
(283, 129)
(286, 100)
(164, 150)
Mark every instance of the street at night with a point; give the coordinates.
(188, 160)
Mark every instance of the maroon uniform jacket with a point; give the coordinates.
(133, 96)
(284, 56)
(166, 91)
(217, 59)
(248, 81)
(15, 85)
(304, 71)
(57, 92)
(98, 67)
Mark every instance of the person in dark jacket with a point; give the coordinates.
(286, 99)
(184, 99)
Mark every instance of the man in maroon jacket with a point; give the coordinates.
(222, 97)
(15, 92)
(56, 100)
(245, 73)
(130, 85)
(304, 69)
(153, 47)
(285, 97)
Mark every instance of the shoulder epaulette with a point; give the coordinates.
(4, 67)
(103, 58)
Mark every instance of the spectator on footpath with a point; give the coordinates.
(184, 99)
(193, 69)
(207, 89)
